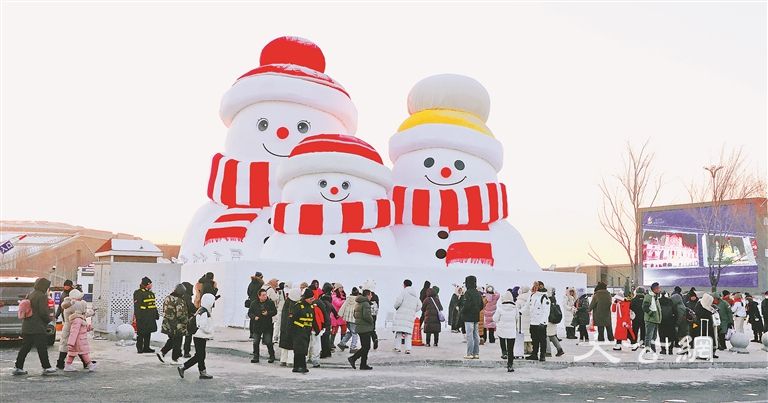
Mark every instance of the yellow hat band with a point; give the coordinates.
(448, 117)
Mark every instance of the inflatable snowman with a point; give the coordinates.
(450, 209)
(267, 111)
(334, 206)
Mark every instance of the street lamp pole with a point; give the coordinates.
(713, 169)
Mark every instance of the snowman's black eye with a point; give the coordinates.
(262, 124)
(459, 164)
(429, 162)
(323, 183)
(345, 185)
(303, 126)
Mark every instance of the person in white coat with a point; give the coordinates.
(525, 317)
(204, 324)
(506, 328)
(569, 309)
(538, 308)
(347, 311)
(406, 305)
(739, 309)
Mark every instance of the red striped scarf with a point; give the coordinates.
(335, 218)
(241, 186)
(471, 208)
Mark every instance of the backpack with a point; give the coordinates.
(25, 309)
(555, 314)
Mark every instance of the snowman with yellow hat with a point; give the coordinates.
(450, 208)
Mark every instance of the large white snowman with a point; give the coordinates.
(268, 110)
(450, 208)
(334, 206)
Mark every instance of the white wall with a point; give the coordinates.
(233, 279)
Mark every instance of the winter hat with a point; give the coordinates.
(145, 281)
(619, 295)
(507, 297)
(80, 307)
(515, 291)
(706, 301)
(75, 294)
(294, 294)
(639, 290)
(67, 283)
(448, 111)
(291, 69)
(335, 153)
(308, 293)
(369, 285)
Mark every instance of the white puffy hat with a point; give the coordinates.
(448, 111)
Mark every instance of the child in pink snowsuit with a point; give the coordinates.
(77, 343)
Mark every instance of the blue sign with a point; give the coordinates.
(6, 246)
(57, 297)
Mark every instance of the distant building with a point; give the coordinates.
(679, 243)
(51, 244)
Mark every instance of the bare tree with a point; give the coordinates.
(623, 194)
(727, 180)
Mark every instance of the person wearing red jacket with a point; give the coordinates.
(623, 330)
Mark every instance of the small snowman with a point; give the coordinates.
(334, 206)
(267, 111)
(450, 209)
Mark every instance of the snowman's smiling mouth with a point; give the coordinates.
(444, 184)
(276, 155)
(334, 201)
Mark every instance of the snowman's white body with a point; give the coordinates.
(330, 248)
(246, 142)
(427, 245)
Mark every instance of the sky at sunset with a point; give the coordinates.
(110, 112)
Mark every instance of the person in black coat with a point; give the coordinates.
(636, 306)
(328, 309)
(704, 311)
(301, 321)
(145, 311)
(754, 318)
(261, 312)
(257, 281)
(453, 310)
(188, 293)
(764, 308)
(33, 329)
(374, 336)
(430, 309)
(64, 294)
(471, 305)
(667, 330)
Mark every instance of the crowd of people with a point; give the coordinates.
(304, 320)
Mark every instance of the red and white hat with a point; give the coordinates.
(335, 153)
(292, 70)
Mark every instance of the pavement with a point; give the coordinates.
(123, 375)
(234, 341)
